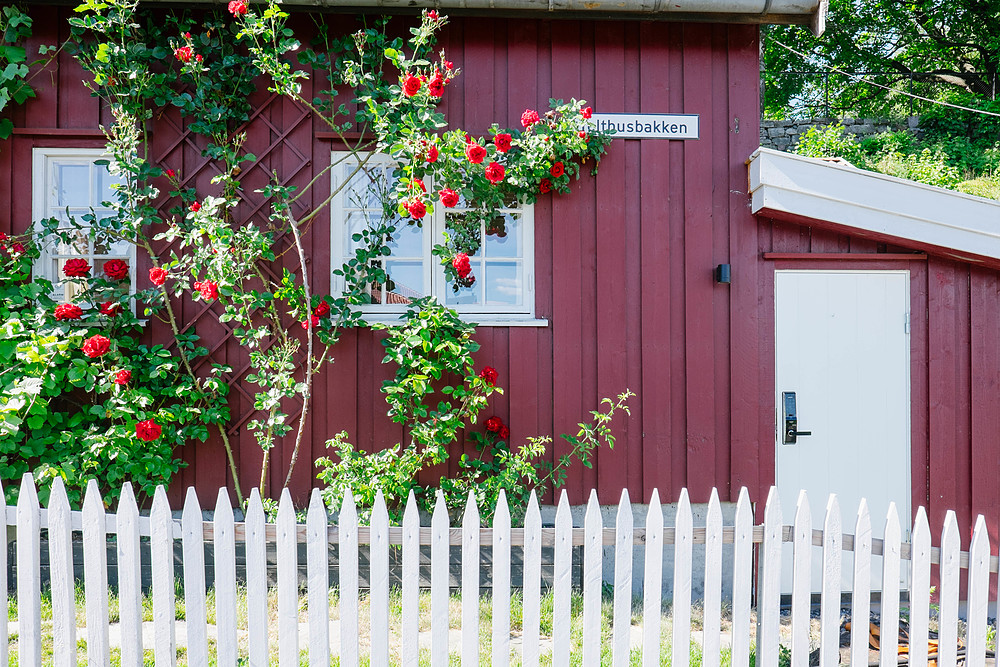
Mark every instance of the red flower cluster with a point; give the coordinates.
(490, 375)
(436, 85)
(416, 209)
(475, 153)
(76, 268)
(68, 311)
(209, 290)
(315, 322)
(495, 425)
(529, 118)
(111, 309)
(322, 310)
(586, 112)
(14, 248)
(448, 197)
(195, 207)
(116, 269)
(170, 173)
(494, 172)
(432, 15)
(411, 85)
(502, 142)
(148, 430)
(432, 154)
(157, 276)
(238, 7)
(96, 346)
(557, 170)
(582, 135)
(123, 377)
(461, 264)
(545, 186)
(184, 53)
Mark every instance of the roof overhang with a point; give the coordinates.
(843, 198)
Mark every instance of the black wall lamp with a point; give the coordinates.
(723, 274)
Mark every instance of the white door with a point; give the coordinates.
(842, 346)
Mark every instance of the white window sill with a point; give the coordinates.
(480, 320)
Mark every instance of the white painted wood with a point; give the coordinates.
(801, 579)
(439, 582)
(224, 539)
(742, 578)
(861, 598)
(829, 613)
(129, 575)
(920, 588)
(889, 612)
(256, 550)
(194, 579)
(652, 583)
(379, 582)
(979, 590)
(562, 571)
(531, 585)
(95, 573)
(592, 565)
(470, 583)
(683, 540)
(318, 572)
(951, 545)
(61, 572)
(712, 604)
(409, 627)
(501, 582)
(622, 611)
(161, 548)
(29, 576)
(842, 346)
(769, 593)
(288, 583)
(348, 524)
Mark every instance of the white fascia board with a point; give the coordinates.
(876, 203)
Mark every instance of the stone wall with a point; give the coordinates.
(783, 135)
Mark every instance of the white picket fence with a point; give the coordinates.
(319, 534)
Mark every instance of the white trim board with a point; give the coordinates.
(912, 214)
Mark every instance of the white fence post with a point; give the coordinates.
(379, 583)
(194, 579)
(95, 573)
(531, 584)
(288, 582)
(562, 572)
(225, 580)
(712, 624)
(501, 582)
(861, 595)
(683, 541)
(409, 632)
(951, 545)
(801, 580)
(742, 578)
(161, 547)
(61, 571)
(889, 631)
(979, 590)
(348, 550)
(318, 564)
(129, 578)
(769, 594)
(592, 571)
(29, 590)
(920, 588)
(652, 587)
(439, 582)
(622, 625)
(470, 583)
(256, 550)
(829, 613)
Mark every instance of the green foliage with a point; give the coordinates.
(15, 87)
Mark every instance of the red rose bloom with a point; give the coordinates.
(475, 153)
(529, 117)
(436, 86)
(111, 309)
(411, 85)
(170, 173)
(432, 154)
(157, 276)
(16, 248)
(490, 375)
(586, 112)
(461, 264)
(123, 377)
(494, 424)
(448, 65)
(582, 135)
(557, 170)
(322, 310)
(494, 172)
(432, 15)
(315, 322)
(209, 290)
(504, 432)
(68, 311)
(195, 207)
(96, 346)
(116, 269)
(183, 53)
(448, 197)
(76, 268)
(148, 430)
(416, 209)
(545, 186)
(238, 7)
(502, 142)
(418, 184)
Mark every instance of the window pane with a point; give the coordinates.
(357, 222)
(504, 283)
(503, 237)
(72, 185)
(102, 185)
(366, 187)
(466, 296)
(406, 281)
(78, 243)
(407, 241)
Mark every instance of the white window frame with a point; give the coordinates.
(434, 277)
(43, 162)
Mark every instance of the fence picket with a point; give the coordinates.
(683, 540)
(951, 544)
(920, 588)
(861, 596)
(161, 549)
(711, 649)
(592, 566)
(742, 578)
(225, 580)
(439, 582)
(531, 584)
(470, 583)
(318, 573)
(61, 572)
(889, 634)
(562, 572)
(95, 575)
(979, 589)
(622, 621)
(801, 580)
(194, 579)
(409, 630)
(379, 583)
(29, 603)
(769, 599)
(256, 550)
(829, 613)
(288, 583)
(348, 552)
(129, 575)
(652, 586)
(501, 582)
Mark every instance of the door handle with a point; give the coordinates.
(791, 432)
